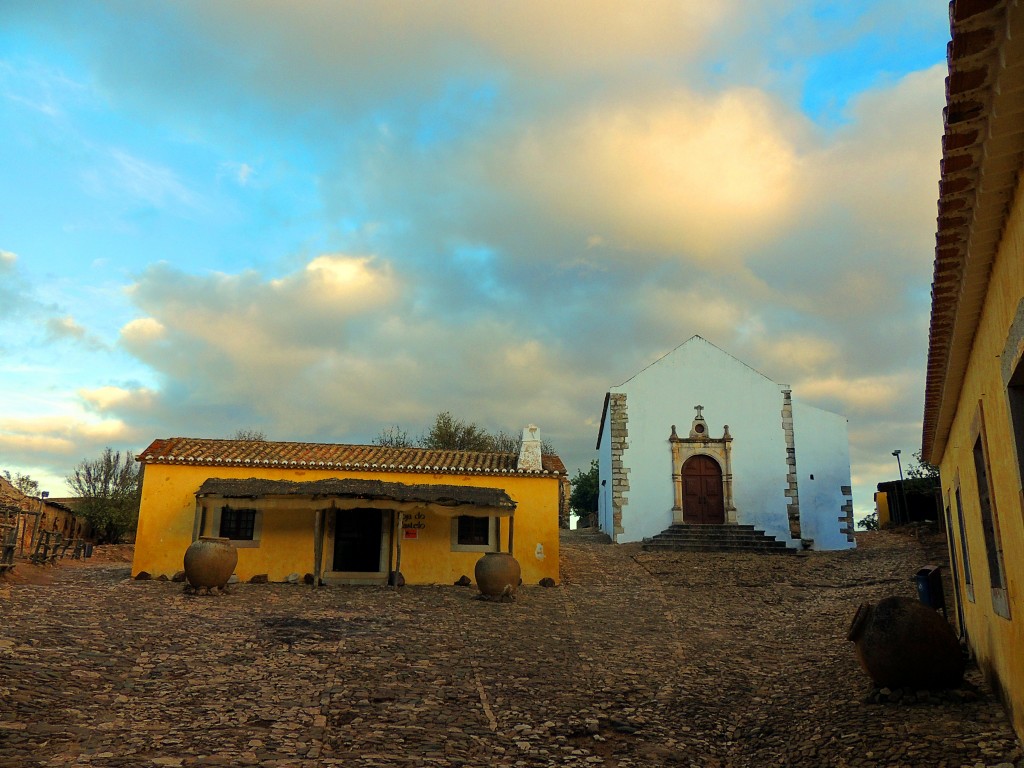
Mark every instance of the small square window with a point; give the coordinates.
(474, 530)
(237, 524)
(474, 534)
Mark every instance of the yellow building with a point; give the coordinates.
(352, 514)
(882, 509)
(974, 401)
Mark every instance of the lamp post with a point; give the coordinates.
(903, 496)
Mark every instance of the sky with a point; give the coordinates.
(320, 219)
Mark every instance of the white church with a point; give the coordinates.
(700, 438)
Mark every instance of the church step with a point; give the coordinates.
(781, 549)
(714, 538)
(723, 537)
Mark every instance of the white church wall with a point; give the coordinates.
(698, 373)
(822, 452)
(604, 468)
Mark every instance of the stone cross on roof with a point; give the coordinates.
(698, 409)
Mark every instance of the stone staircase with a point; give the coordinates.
(680, 537)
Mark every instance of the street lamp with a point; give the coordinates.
(903, 495)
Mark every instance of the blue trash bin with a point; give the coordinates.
(929, 586)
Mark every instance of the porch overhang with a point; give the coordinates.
(444, 500)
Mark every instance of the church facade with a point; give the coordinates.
(699, 437)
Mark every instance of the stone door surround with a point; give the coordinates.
(699, 442)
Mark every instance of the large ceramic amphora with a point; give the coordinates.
(210, 561)
(498, 574)
(902, 643)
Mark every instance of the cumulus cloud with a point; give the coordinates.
(142, 331)
(66, 328)
(56, 443)
(311, 53)
(113, 398)
(353, 346)
(860, 394)
(673, 174)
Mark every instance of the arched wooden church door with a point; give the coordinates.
(703, 502)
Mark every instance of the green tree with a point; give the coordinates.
(453, 434)
(869, 522)
(109, 489)
(921, 469)
(23, 483)
(585, 490)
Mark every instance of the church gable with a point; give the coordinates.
(692, 356)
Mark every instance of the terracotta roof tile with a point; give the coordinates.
(364, 458)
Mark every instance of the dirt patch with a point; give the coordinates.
(112, 553)
(27, 573)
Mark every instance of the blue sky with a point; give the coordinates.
(320, 219)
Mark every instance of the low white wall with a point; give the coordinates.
(822, 452)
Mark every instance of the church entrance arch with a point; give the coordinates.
(702, 475)
(703, 498)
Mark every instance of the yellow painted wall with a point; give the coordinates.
(286, 542)
(997, 642)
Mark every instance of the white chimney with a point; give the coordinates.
(529, 452)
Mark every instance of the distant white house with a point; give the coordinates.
(699, 437)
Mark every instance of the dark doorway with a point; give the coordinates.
(357, 543)
(703, 502)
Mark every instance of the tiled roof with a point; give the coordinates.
(982, 147)
(363, 458)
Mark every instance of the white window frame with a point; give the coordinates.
(213, 515)
(988, 515)
(492, 538)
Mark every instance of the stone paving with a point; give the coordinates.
(637, 659)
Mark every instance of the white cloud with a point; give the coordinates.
(332, 279)
(673, 173)
(142, 330)
(111, 398)
(65, 328)
(877, 394)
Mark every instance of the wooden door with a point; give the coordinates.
(703, 500)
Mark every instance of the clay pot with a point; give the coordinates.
(902, 643)
(210, 561)
(498, 574)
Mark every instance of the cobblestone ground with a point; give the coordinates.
(637, 659)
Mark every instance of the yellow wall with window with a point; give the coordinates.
(285, 537)
(983, 408)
